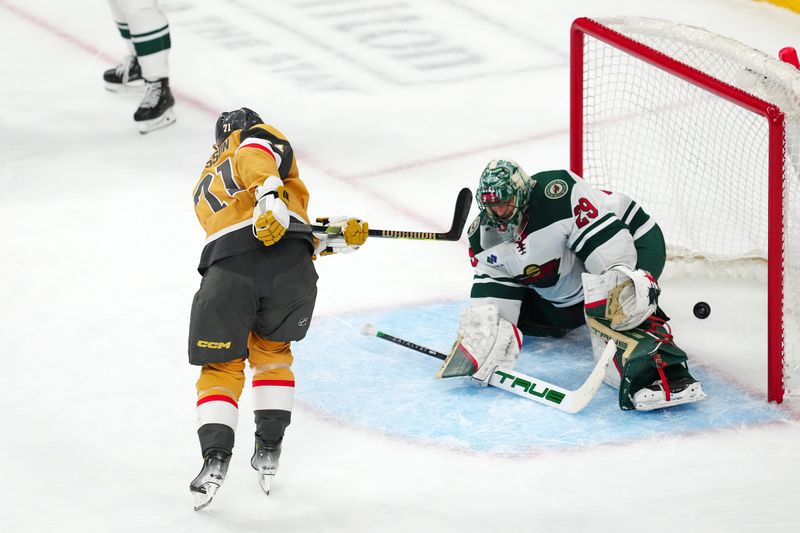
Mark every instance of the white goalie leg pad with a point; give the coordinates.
(625, 296)
(491, 341)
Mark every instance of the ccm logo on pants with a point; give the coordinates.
(214, 345)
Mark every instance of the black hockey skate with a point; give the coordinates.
(266, 457)
(127, 76)
(155, 111)
(210, 478)
(681, 390)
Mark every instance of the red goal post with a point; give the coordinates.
(704, 132)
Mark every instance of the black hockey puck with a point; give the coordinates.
(702, 310)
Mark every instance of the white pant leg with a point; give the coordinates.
(122, 25)
(149, 34)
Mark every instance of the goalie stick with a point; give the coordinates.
(523, 385)
(453, 234)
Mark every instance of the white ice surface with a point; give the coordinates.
(99, 247)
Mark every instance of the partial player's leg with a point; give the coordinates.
(150, 36)
(128, 74)
(287, 284)
(218, 391)
(222, 314)
(273, 399)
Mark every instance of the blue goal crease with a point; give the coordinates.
(374, 383)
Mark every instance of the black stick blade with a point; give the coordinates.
(463, 205)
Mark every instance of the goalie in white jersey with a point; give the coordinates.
(550, 254)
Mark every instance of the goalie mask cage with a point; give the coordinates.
(704, 132)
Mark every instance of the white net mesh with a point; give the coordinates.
(695, 161)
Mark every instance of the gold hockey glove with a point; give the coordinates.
(343, 235)
(271, 213)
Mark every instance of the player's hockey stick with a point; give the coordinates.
(460, 214)
(522, 385)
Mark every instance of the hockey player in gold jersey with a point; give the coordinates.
(257, 293)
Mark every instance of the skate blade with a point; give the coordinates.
(265, 480)
(146, 126)
(694, 396)
(204, 495)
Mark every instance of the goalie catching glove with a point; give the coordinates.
(271, 212)
(622, 295)
(485, 342)
(342, 235)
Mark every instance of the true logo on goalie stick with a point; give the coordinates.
(556, 189)
(530, 387)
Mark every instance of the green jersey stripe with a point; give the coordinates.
(497, 290)
(485, 278)
(638, 220)
(592, 228)
(600, 238)
(628, 211)
(644, 228)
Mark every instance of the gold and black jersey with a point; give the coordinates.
(224, 196)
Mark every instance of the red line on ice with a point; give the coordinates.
(200, 105)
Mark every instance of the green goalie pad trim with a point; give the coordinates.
(597, 309)
(635, 355)
(458, 363)
(599, 239)
(641, 370)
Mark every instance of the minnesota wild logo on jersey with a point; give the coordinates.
(541, 276)
(565, 229)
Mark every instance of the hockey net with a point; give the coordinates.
(703, 132)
